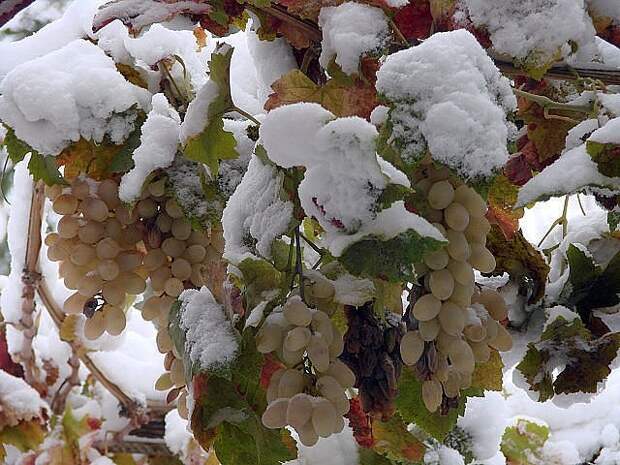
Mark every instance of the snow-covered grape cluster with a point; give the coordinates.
(453, 325)
(309, 392)
(109, 251)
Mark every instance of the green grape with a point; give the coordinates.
(94, 209)
(296, 312)
(318, 352)
(74, 304)
(94, 327)
(493, 302)
(307, 435)
(429, 330)
(164, 382)
(426, 308)
(114, 292)
(108, 269)
(470, 199)
(456, 216)
(481, 258)
(90, 285)
(458, 247)
(297, 339)
(411, 347)
(323, 417)
(154, 259)
(114, 320)
(146, 208)
(173, 247)
(462, 272)
(299, 410)
(65, 204)
(481, 351)
(477, 230)
(432, 394)
(502, 341)
(68, 227)
(441, 284)
(452, 318)
(437, 260)
(195, 253)
(107, 249)
(292, 382)
(173, 210)
(92, 231)
(173, 287)
(322, 324)
(82, 255)
(440, 195)
(268, 338)
(342, 373)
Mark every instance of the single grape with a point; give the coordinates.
(181, 229)
(437, 260)
(426, 308)
(456, 216)
(493, 302)
(164, 382)
(65, 204)
(297, 338)
(452, 318)
(481, 258)
(95, 326)
(307, 435)
(107, 249)
(114, 320)
(318, 352)
(173, 287)
(82, 255)
(181, 269)
(323, 417)
(429, 330)
(441, 284)
(292, 382)
(440, 195)
(502, 341)
(195, 253)
(268, 338)
(342, 373)
(299, 410)
(68, 227)
(296, 312)
(74, 304)
(173, 210)
(477, 230)
(108, 192)
(458, 247)
(411, 347)
(108, 269)
(432, 394)
(94, 209)
(173, 247)
(146, 208)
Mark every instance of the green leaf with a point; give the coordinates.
(412, 409)
(123, 160)
(568, 359)
(25, 436)
(391, 260)
(227, 413)
(213, 143)
(16, 149)
(588, 286)
(613, 220)
(522, 444)
(606, 157)
(370, 457)
(45, 169)
(259, 276)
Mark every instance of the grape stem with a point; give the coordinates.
(246, 115)
(299, 267)
(562, 220)
(547, 104)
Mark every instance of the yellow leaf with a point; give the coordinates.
(68, 328)
(488, 375)
(86, 157)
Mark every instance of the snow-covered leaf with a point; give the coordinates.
(44, 168)
(606, 157)
(522, 444)
(391, 259)
(567, 359)
(202, 131)
(393, 440)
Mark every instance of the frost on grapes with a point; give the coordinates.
(537, 31)
(158, 146)
(71, 93)
(344, 177)
(210, 340)
(447, 96)
(255, 214)
(349, 31)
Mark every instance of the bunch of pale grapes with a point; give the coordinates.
(371, 351)
(309, 394)
(98, 251)
(461, 323)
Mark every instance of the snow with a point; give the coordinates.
(559, 311)
(448, 95)
(537, 30)
(608, 134)
(17, 231)
(351, 30)
(255, 213)
(83, 94)
(575, 135)
(158, 146)
(485, 420)
(351, 290)
(388, 224)
(443, 455)
(611, 102)
(573, 171)
(201, 315)
(272, 59)
(176, 435)
(76, 23)
(18, 401)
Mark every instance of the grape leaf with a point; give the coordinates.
(86, 157)
(43, 168)
(394, 441)
(16, 148)
(568, 359)
(259, 276)
(488, 375)
(391, 260)
(606, 157)
(588, 286)
(502, 197)
(521, 260)
(227, 413)
(370, 457)
(522, 444)
(123, 159)
(25, 436)
(67, 331)
(343, 97)
(213, 143)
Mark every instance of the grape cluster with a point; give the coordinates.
(453, 325)
(109, 251)
(372, 352)
(309, 394)
(98, 251)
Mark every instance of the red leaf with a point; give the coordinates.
(270, 366)
(415, 20)
(518, 170)
(6, 362)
